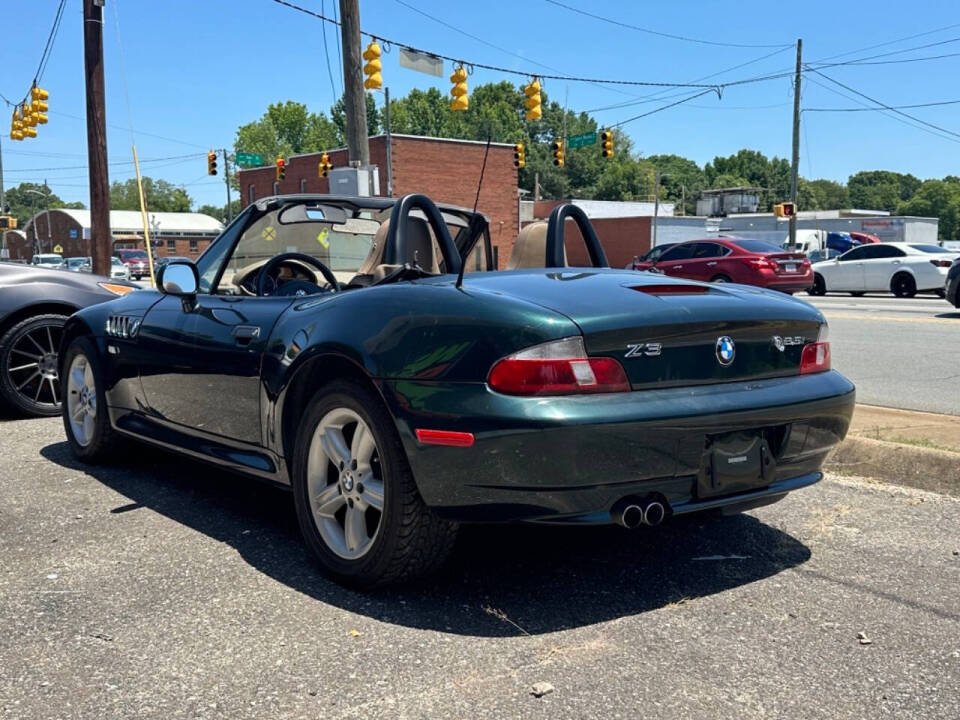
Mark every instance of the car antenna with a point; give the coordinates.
(463, 261)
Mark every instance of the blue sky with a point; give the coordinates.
(197, 70)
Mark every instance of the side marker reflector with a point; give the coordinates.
(445, 437)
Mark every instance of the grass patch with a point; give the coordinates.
(921, 442)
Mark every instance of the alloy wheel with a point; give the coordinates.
(32, 365)
(81, 400)
(345, 483)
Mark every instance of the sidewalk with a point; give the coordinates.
(902, 447)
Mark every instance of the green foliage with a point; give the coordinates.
(936, 198)
(160, 196)
(220, 211)
(881, 189)
(339, 115)
(823, 195)
(24, 202)
(288, 129)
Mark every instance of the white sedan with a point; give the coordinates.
(901, 268)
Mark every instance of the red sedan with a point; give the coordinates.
(863, 237)
(733, 259)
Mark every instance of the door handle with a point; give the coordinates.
(677, 267)
(243, 334)
(711, 263)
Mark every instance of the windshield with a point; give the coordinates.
(931, 249)
(755, 246)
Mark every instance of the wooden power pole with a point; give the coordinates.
(101, 241)
(795, 168)
(354, 98)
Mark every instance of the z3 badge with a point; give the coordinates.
(646, 349)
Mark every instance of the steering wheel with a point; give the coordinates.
(275, 261)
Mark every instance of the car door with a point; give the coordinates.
(880, 262)
(846, 272)
(673, 261)
(709, 261)
(200, 362)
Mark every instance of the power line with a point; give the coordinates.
(863, 60)
(117, 162)
(889, 42)
(853, 63)
(663, 107)
(326, 52)
(50, 40)
(648, 31)
(882, 111)
(884, 105)
(497, 68)
(892, 107)
(138, 132)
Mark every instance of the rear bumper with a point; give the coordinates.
(569, 459)
(790, 283)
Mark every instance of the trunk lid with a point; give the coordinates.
(665, 331)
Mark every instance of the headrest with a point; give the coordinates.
(530, 249)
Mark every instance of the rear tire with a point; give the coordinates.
(400, 537)
(29, 369)
(85, 418)
(720, 279)
(819, 287)
(903, 285)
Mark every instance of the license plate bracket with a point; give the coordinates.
(791, 267)
(736, 462)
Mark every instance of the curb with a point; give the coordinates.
(917, 467)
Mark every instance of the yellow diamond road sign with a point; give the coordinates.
(269, 234)
(322, 238)
(58, 249)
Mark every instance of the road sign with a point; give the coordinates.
(58, 249)
(249, 159)
(582, 140)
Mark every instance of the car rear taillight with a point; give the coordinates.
(941, 263)
(761, 263)
(815, 358)
(560, 367)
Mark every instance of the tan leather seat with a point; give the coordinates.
(530, 249)
(420, 250)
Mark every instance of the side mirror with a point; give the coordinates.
(179, 278)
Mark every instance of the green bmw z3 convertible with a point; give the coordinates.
(363, 353)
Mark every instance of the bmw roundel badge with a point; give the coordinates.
(726, 350)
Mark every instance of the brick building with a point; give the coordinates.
(444, 169)
(185, 234)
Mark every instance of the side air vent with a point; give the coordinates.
(122, 326)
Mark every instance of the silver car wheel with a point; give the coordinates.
(81, 400)
(345, 483)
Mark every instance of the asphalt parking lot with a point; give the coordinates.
(157, 587)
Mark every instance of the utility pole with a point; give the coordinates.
(226, 178)
(683, 199)
(354, 98)
(101, 245)
(46, 192)
(795, 169)
(386, 130)
(656, 205)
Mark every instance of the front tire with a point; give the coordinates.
(29, 372)
(357, 504)
(85, 420)
(819, 287)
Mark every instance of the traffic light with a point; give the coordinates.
(16, 125)
(606, 143)
(324, 167)
(532, 103)
(211, 163)
(39, 105)
(785, 209)
(281, 167)
(8, 222)
(373, 67)
(519, 156)
(460, 101)
(558, 153)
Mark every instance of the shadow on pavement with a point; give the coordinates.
(502, 580)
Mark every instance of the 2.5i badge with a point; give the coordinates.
(782, 342)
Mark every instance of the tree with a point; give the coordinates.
(939, 199)
(159, 196)
(220, 211)
(287, 129)
(827, 195)
(24, 202)
(881, 189)
(339, 115)
(680, 177)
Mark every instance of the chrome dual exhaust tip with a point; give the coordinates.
(632, 515)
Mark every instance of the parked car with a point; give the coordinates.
(651, 256)
(864, 238)
(739, 260)
(47, 260)
(118, 269)
(34, 305)
(397, 396)
(901, 268)
(840, 241)
(952, 286)
(161, 261)
(136, 261)
(79, 264)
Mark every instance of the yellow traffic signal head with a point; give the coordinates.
(324, 166)
(29, 132)
(532, 103)
(281, 168)
(211, 163)
(519, 156)
(373, 67)
(37, 93)
(606, 143)
(558, 153)
(460, 101)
